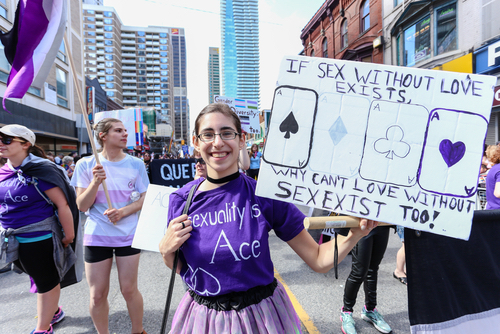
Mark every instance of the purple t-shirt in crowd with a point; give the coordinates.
(229, 246)
(493, 203)
(20, 202)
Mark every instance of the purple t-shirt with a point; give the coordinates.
(493, 203)
(229, 246)
(20, 202)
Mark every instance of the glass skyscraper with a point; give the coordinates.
(240, 49)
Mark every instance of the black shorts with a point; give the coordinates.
(37, 260)
(95, 254)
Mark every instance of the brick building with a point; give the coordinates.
(345, 29)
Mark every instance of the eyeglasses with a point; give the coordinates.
(199, 160)
(209, 137)
(9, 140)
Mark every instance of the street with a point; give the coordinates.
(320, 296)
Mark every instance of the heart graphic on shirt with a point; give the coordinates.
(211, 282)
(451, 152)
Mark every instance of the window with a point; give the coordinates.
(446, 28)
(163, 34)
(164, 73)
(90, 26)
(90, 40)
(343, 35)
(108, 28)
(164, 66)
(90, 19)
(141, 46)
(142, 92)
(141, 53)
(90, 33)
(141, 33)
(417, 42)
(163, 54)
(141, 85)
(108, 35)
(109, 78)
(141, 40)
(61, 78)
(164, 92)
(4, 65)
(141, 59)
(110, 85)
(35, 91)
(141, 72)
(164, 79)
(108, 42)
(163, 41)
(141, 65)
(61, 54)
(109, 64)
(164, 60)
(110, 71)
(108, 57)
(108, 14)
(365, 16)
(108, 50)
(164, 85)
(163, 47)
(90, 12)
(141, 79)
(111, 94)
(108, 21)
(91, 47)
(325, 48)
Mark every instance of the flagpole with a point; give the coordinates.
(87, 123)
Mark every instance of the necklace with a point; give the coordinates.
(224, 179)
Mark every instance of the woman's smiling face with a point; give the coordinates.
(221, 156)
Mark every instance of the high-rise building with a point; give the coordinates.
(213, 73)
(93, 2)
(138, 66)
(240, 49)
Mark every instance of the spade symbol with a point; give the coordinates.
(289, 124)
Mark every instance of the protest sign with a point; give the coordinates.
(153, 219)
(172, 172)
(394, 144)
(131, 119)
(247, 110)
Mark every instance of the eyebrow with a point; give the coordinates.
(221, 129)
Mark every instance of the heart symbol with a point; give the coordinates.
(451, 152)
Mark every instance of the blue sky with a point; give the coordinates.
(281, 22)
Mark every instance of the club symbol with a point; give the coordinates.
(393, 144)
(289, 124)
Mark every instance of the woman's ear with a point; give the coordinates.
(196, 143)
(242, 140)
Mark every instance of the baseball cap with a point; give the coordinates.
(16, 130)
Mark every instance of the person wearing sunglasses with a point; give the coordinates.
(201, 168)
(31, 183)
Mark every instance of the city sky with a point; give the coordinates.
(281, 22)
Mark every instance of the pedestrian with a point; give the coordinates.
(225, 257)
(111, 230)
(40, 236)
(58, 159)
(68, 165)
(200, 167)
(493, 180)
(147, 163)
(255, 157)
(366, 258)
(400, 272)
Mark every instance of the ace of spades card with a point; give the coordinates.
(291, 126)
(394, 143)
(451, 157)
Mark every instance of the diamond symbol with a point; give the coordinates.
(337, 131)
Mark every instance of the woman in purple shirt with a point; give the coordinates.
(224, 253)
(493, 181)
(32, 220)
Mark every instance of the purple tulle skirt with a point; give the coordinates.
(273, 315)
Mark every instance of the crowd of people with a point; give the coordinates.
(256, 299)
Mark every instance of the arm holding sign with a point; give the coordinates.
(85, 197)
(320, 257)
(174, 237)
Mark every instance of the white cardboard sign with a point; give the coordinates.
(153, 219)
(247, 110)
(394, 144)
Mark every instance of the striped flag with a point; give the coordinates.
(32, 45)
(454, 285)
